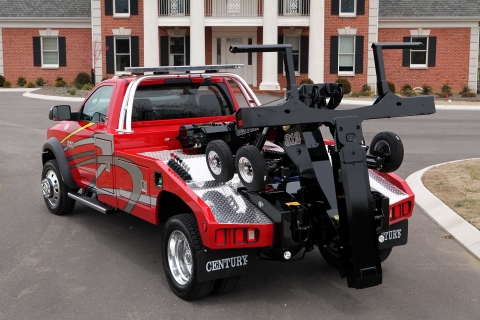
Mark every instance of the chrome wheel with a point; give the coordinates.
(51, 188)
(214, 162)
(180, 257)
(245, 169)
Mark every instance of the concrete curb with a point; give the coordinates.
(462, 231)
(18, 89)
(438, 106)
(55, 98)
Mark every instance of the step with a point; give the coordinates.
(92, 203)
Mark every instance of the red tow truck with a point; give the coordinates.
(234, 181)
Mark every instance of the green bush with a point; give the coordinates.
(59, 82)
(30, 85)
(446, 89)
(87, 86)
(82, 78)
(426, 89)
(306, 81)
(467, 92)
(72, 91)
(7, 84)
(391, 86)
(366, 88)
(2, 80)
(104, 78)
(40, 82)
(406, 87)
(21, 81)
(347, 87)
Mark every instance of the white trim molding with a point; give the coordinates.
(48, 33)
(151, 44)
(372, 37)
(473, 64)
(347, 31)
(316, 45)
(122, 32)
(97, 40)
(420, 32)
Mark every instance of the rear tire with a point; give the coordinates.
(224, 285)
(390, 145)
(55, 192)
(220, 161)
(180, 245)
(251, 168)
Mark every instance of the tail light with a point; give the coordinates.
(406, 207)
(239, 236)
(251, 238)
(396, 211)
(220, 236)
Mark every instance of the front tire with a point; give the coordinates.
(181, 243)
(54, 190)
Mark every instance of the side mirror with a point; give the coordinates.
(60, 113)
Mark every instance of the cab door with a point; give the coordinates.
(79, 144)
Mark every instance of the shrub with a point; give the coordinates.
(87, 86)
(30, 85)
(40, 82)
(104, 78)
(2, 80)
(306, 81)
(347, 87)
(366, 88)
(426, 89)
(72, 91)
(467, 92)
(391, 86)
(21, 81)
(406, 87)
(82, 78)
(446, 89)
(59, 82)
(7, 84)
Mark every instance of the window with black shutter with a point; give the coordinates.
(423, 57)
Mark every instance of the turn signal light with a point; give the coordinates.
(396, 212)
(220, 236)
(405, 208)
(239, 236)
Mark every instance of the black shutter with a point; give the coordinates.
(280, 7)
(164, 50)
(187, 50)
(62, 52)
(134, 7)
(406, 54)
(334, 54)
(110, 54)
(304, 54)
(432, 51)
(109, 7)
(360, 7)
(37, 52)
(335, 7)
(134, 55)
(280, 56)
(359, 54)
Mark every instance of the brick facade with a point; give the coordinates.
(332, 24)
(134, 22)
(18, 55)
(451, 65)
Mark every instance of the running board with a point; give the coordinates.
(92, 203)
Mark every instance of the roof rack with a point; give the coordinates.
(168, 69)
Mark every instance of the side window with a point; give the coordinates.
(95, 108)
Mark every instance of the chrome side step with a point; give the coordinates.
(92, 203)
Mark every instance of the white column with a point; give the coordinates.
(270, 36)
(372, 37)
(151, 54)
(473, 65)
(2, 70)
(316, 47)
(197, 32)
(98, 47)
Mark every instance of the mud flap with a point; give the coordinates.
(359, 245)
(217, 264)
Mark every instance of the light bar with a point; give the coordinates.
(183, 68)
